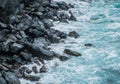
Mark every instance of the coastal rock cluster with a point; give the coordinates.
(21, 30)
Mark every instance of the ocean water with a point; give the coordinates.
(98, 23)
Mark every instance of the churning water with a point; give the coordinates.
(98, 23)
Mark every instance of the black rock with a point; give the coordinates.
(63, 5)
(73, 34)
(63, 58)
(73, 53)
(54, 39)
(11, 78)
(15, 47)
(40, 51)
(26, 56)
(2, 80)
(54, 4)
(25, 69)
(72, 17)
(43, 69)
(34, 68)
(3, 25)
(31, 77)
(88, 45)
(47, 23)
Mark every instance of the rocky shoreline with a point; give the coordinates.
(20, 32)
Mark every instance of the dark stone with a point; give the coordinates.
(3, 68)
(31, 77)
(25, 69)
(88, 45)
(11, 78)
(37, 62)
(72, 17)
(63, 5)
(2, 81)
(16, 58)
(73, 34)
(47, 23)
(26, 56)
(63, 58)
(54, 4)
(43, 69)
(15, 47)
(36, 33)
(54, 39)
(3, 25)
(34, 68)
(73, 53)
(40, 51)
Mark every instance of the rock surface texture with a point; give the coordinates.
(23, 24)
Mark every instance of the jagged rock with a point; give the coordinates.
(73, 34)
(43, 69)
(73, 53)
(88, 45)
(31, 77)
(40, 51)
(25, 69)
(2, 80)
(26, 56)
(2, 25)
(10, 78)
(47, 23)
(34, 68)
(15, 47)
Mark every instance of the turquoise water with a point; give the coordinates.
(98, 23)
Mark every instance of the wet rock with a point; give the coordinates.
(2, 80)
(34, 68)
(88, 45)
(63, 58)
(73, 34)
(43, 69)
(71, 52)
(54, 4)
(40, 51)
(15, 47)
(72, 17)
(25, 69)
(36, 33)
(47, 23)
(11, 78)
(37, 62)
(16, 58)
(63, 5)
(26, 56)
(54, 39)
(3, 25)
(3, 68)
(31, 77)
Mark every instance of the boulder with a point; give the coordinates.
(71, 52)
(31, 77)
(73, 34)
(40, 51)
(2, 80)
(11, 78)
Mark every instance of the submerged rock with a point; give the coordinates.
(73, 34)
(88, 45)
(71, 52)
